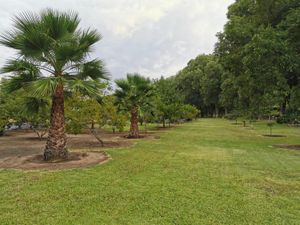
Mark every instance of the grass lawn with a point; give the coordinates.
(205, 172)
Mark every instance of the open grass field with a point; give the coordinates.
(204, 172)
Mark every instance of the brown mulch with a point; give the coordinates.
(23, 150)
(36, 162)
(273, 135)
(292, 147)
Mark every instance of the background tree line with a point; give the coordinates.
(255, 68)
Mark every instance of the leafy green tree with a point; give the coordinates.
(133, 93)
(147, 114)
(23, 108)
(111, 116)
(36, 111)
(264, 80)
(210, 86)
(200, 84)
(189, 112)
(83, 112)
(188, 81)
(167, 101)
(52, 59)
(259, 50)
(228, 98)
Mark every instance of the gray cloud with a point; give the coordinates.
(152, 37)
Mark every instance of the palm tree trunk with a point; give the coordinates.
(134, 127)
(57, 140)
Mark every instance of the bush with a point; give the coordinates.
(74, 127)
(290, 118)
(189, 112)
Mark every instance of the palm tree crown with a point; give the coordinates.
(52, 50)
(53, 58)
(133, 91)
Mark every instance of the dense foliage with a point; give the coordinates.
(255, 69)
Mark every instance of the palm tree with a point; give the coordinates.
(133, 93)
(53, 59)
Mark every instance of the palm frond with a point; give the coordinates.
(133, 91)
(33, 105)
(59, 24)
(20, 66)
(123, 85)
(93, 69)
(44, 87)
(91, 88)
(26, 72)
(88, 38)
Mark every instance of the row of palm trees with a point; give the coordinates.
(53, 59)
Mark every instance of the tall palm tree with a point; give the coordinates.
(132, 93)
(53, 58)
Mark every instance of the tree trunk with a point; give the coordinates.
(134, 127)
(145, 127)
(217, 111)
(94, 132)
(283, 106)
(164, 122)
(57, 140)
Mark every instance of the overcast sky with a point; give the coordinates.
(151, 37)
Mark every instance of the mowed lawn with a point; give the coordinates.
(204, 172)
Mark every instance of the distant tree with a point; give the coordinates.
(20, 107)
(189, 112)
(168, 100)
(147, 113)
(111, 115)
(52, 59)
(210, 86)
(36, 111)
(83, 112)
(133, 93)
(259, 51)
(228, 96)
(200, 84)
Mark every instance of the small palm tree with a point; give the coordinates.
(53, 60)
(133, 92)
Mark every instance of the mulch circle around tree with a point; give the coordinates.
(273, 135)
(36, 162)
(285, 146)
(144, 136)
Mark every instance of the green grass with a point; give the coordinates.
(205, 172)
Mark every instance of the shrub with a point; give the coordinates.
(290, 117)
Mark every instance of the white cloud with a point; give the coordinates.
(152, 37)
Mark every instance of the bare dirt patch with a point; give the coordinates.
(273, 135)
(145, 136)
(292, 147)
(23, 150)
(35, 162)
